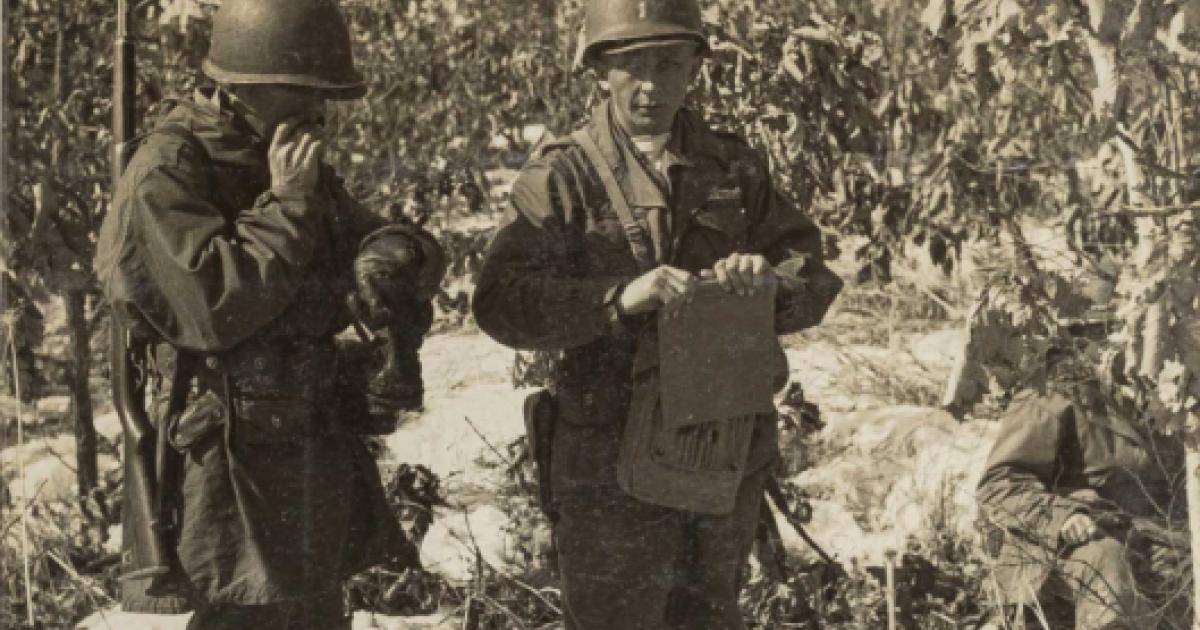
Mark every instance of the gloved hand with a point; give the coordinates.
(397, 386)
(398, 268)
(397, 272)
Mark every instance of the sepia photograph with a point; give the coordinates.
(600, 314)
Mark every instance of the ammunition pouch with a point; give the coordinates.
(540, 412)
(198, 421)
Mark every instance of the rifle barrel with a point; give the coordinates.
(124, 90)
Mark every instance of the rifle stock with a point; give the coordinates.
(146, 553)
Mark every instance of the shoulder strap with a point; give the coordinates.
(634, 233)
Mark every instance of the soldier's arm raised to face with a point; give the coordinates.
(791, 243)
(212, 283)
(534, 290)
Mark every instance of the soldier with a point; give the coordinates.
(230, 258)
(606, 228)
(1083, 501)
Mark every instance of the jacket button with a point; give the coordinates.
(212, 363)
(276, 422)
(260, 363)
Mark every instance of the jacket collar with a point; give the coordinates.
(690, 139)
(692, 157)
(227, 137)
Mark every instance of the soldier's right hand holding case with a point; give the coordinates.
(294, 158)
(663, 286)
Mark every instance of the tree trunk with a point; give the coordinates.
(1154, 234)
(73, 285)
(81, 399)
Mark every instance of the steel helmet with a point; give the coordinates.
(629, 23)
(290, 42)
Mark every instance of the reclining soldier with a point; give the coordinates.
(606, 228)
(1083, 500)
(232, 257)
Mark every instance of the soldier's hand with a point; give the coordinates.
(744, 274)
(661, 287)
(1079, 528)
(294, 158)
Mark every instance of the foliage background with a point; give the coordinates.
(910, 130)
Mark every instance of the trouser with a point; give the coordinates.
(321, 612)
(631, 565)
(1112, 588)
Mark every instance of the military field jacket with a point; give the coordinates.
(276, 502)
(561, 256)
(1056, 457)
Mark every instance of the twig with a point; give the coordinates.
(532, 591)
(1156, 211)
(87, 583)
(479, 556)
(487, 442)
(504, 609)
(16, 370)
(28, 502)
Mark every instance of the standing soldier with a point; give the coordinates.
(606, 228)
(232, 257)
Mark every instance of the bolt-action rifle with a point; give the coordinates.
(146, 518)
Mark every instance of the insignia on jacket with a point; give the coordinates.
(733, 193)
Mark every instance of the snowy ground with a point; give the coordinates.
(890, 475)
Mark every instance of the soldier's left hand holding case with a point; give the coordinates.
(744, 274)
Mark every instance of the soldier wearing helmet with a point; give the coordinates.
(232, 257)
(1081, 500)
(607, 228)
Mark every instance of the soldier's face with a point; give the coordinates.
(648, 85)
(273, 104)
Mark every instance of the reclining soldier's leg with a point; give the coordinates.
(1104, 589)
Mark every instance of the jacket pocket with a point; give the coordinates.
(728, 219)
(199, 420)
(268, 421)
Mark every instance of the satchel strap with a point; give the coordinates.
(634, 234)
